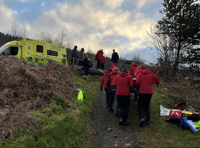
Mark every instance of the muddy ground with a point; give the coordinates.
(118, 136)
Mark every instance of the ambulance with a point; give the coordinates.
(34, 51)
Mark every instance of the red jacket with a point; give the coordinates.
(113, 66)
(113, 78)
(98, 55)
(145, 82)
(139, 69)
(124, 82)
(156, 81)
(132, 70)
(102, 58)
(104, 79)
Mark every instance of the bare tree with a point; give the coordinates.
(18, 30)
(137, 58)
(45, 37)
(89, 51)
(163, 45)
(69, 43)
(61, 38)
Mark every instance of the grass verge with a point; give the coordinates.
(161, 133)
(54, 127)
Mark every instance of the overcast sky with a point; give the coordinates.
(92, 24)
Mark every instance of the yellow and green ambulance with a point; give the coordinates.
(34, 51)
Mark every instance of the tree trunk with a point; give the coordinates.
(177, 58)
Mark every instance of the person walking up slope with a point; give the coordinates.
(143, 67)
(104, 85)
(111, 84)
(124, 82)
(145, 81)
(132, 72)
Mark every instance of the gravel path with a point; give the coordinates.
(118, 136)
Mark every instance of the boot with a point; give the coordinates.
(141, 122)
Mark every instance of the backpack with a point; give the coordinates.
(175, 115)
(108, 82)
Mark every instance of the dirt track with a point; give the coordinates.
(105, 119)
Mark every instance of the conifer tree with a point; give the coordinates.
(181, 23)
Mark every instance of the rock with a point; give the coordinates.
(109, 129)
(127, 138)
(127, 145)
(115, 145)
(115, 136)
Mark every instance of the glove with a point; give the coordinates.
(101, 88)
(157, 85)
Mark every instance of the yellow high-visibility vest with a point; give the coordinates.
(80, 95)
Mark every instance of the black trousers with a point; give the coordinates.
(144, 105)
(123, 104)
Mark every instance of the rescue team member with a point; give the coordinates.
(98, 57)
(156, 81)
(145, 81)
(132, 72)
(103, 61)
(111, 83)
(113, 66)
(124, 82)
(74, 54)
(104, 85)
(115, 57)
(86, 66)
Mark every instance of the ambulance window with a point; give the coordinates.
(13, 50)
(39, 48)
(52, 53)
(6, 52)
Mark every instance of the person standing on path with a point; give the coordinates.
(111, 83)
(86, 66)
(74, 54)
(103, 61)
(98, 58)
(145, 81)
(104, 85)
(115, 57)
(124, 82)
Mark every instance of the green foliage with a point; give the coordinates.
(54, 127)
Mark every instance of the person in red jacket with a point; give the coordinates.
(156, 81)
(98, 57)
(124, 82)
(104, 85)
(111, 84)
(113, 66)
(145, 81)
(103, 61)
(132, 72)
